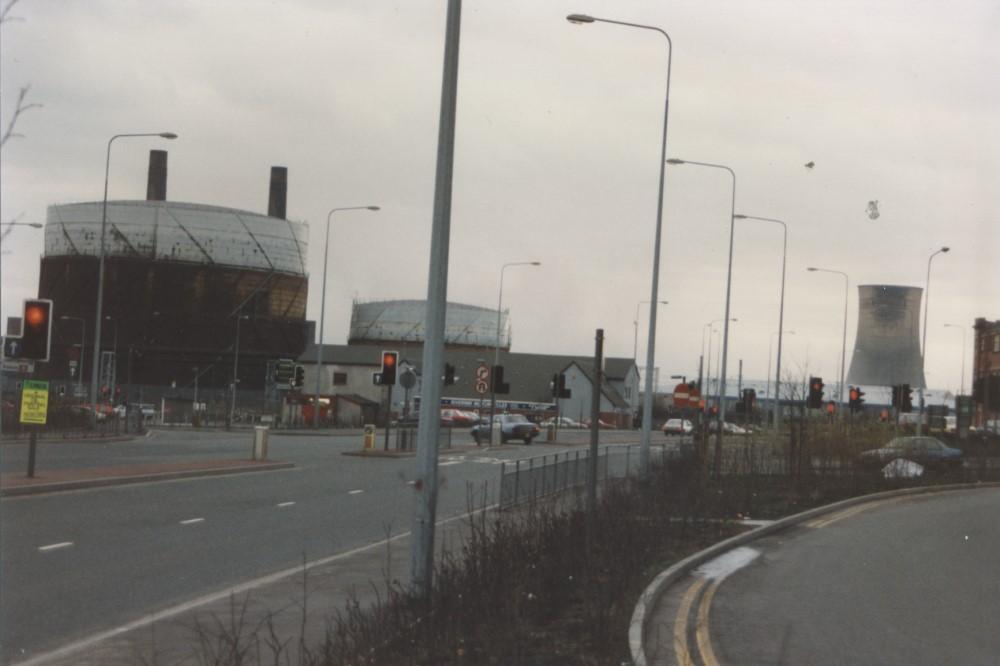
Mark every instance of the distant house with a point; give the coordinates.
(347, 371)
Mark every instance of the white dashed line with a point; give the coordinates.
(284, 504)
(55, 546)
(192, 521)
(355, 492)
(411, 482)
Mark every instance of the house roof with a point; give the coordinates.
(607, 390)
(529, 375)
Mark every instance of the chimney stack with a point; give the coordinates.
(156, 184)
(278, 193)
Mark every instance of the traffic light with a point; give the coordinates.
(857, 399)
(299, 380)
(449, 374)
(815, 400)
(749, 400)
(896, 395)
(36, 329)
(390, 360)
(284, 371)
(499, 386)
(906, 398)
(561, 390)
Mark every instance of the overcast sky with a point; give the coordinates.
(557, 153)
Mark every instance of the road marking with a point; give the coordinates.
(148, 620)
(55, 546)
(192, 521)
(701, 631)
(354, 492)
(284, 504)
(852, 511)
(680, 624)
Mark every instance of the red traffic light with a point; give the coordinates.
(389, 362)
(36, 330)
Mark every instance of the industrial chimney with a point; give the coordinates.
(156, 184)
(887, 346)
(278, 193)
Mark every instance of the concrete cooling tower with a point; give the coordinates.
(887, 345)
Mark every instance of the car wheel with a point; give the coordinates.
(527, 440)
(475, 436)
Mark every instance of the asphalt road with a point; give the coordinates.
(906, 581)
(78, 562)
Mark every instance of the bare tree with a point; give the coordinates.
(22, 96)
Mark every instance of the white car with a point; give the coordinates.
(678, 427)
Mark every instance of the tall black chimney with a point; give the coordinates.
(279, 192)
(156, 185)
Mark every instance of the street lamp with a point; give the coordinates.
(923, 344)
(496, 347)
(781, 312)
(83, 344)
(729, 289)
(767, 391)
(322, 305)
(708, 370)
(100, 268)
(10, 227)
(236, 363)
(635, 322)
(843, 345)
(113, 374)
(962, 328)
(647, 402)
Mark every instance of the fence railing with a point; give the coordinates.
(533, 478)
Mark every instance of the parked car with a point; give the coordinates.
(457, 418)
(512, 426)
(727, 428)
(928, 451)
(678, 427)
(602, 425)
(563, 422)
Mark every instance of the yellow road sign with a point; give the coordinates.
(34, 402)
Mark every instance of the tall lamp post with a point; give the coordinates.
(729, 289)
(496, 347)
(843, 344)
(781, 311)
(923, 344)
(322, 306)
(99, 316)
(83, 344)
(767, 391)
(647, 401)
(113, 374)
(236, 365)
(962, 328)
(635, 322)
(708, 370)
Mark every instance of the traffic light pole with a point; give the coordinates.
(425, 484)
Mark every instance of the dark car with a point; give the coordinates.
(512, 426)
(927, 451)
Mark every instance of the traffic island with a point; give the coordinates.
(15, 484)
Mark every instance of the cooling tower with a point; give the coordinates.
(887, 346)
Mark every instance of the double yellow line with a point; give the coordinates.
(702, 638)
(853, 511)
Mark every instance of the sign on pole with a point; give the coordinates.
(681, 395)
(34, 402)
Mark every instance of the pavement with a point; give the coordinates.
(48, 481)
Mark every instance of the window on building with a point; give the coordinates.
(339, 378)
(996, 343)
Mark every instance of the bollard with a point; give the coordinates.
(369, 437)
(260, 443)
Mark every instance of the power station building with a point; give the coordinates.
(183, 283)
